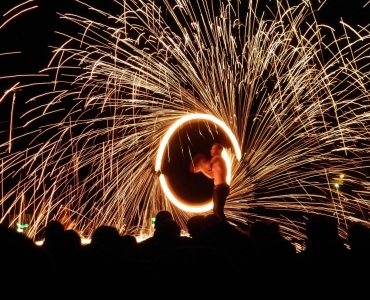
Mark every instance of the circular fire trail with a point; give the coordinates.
(193, 208)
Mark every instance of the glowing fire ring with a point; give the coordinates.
(164, 142)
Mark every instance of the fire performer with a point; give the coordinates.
(215, 169)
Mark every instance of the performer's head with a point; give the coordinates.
(216, 149)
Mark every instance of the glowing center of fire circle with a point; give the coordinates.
(162, 147)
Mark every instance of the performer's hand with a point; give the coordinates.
(197, 163)
(205, 164)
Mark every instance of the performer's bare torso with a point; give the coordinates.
(216, 167)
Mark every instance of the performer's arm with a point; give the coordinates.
(206, 169)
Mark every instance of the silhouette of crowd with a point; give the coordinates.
(216, 260)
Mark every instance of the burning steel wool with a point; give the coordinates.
(293, 96)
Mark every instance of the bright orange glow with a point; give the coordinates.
(190, 208)
(179, 203)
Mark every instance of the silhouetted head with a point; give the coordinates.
(195, 224)
(332, 229)
(162, 216)
(275, 227)
(128, 240)
(211, 219)
(54, 229)
(359, 237)
(129, 245)
(168, 230)
(15, 247)
(319, 230)
(71, 240)
(107, 236)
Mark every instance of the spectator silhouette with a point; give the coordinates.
(275, 231)
(275, 260)
(327, 269)
(228, 240)
(318, 230)
(359, 242)
(148, 247)
(211, 219)
(24, 266)
(167, 236)
(325, 258)
(53, 235)
(107, 236)
(71, 241)
(195, 226)
(129, 246)
(119, 266)
(260, 231)
(277, 268)
(161, 217)
(70, 245)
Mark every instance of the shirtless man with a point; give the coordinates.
(216, 169)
